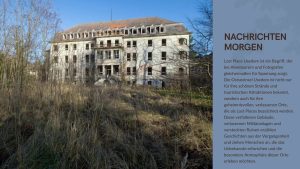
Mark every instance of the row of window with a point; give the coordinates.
(134, 56)
(150, 43)
(109, 44)
(67, 73)
(107, 54)
(123, 31)
(87, 59)
(182, 41)
(130, 70)
(116, 54)
(87, 46)
(163, 56)
(67, 59)
(162, 72)
(149, 82)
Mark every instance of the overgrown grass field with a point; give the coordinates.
(80, 127)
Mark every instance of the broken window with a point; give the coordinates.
(134, 43)
(72, 36)
(162, 29)
(128, 57)
(149, 71)
(108, 54)
(55, 47)
(87, 46)
(116, 54)
(134, 71)
(148, 29)
(149, 82)
(87, 58)
(116, 69)
(92, 45)
(163, 71)
(100, 54)
(100, 69)
(181, 71)
(152, 30)
(157, 29)
(67, 59)
(149, 42)
(134, 56)
(66, 47)
(74, 46)
(149, 55)
(182, 41)
(128, 71)
(126, 32)
(128, 44)
(116, 42)
(143, 30)
(182, 54)
(74, 58)
(108, 43)
(134, 31)
(101, 44)
(163, 55)
(164, 42)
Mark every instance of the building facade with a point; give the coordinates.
(144, 51)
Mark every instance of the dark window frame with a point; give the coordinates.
(149, 56)
(150, 43)
(149, 71)
(164, 42)
(164, 55)
(163, 70)
(128, 56)
(128, 70)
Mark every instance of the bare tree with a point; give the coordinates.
(26, 28)
(203, 28)
(202, 45)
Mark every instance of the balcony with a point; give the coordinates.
(108, 46)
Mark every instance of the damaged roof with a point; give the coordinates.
(170, 26)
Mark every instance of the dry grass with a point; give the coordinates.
(68, 126)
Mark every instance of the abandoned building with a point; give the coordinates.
(144, 51)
